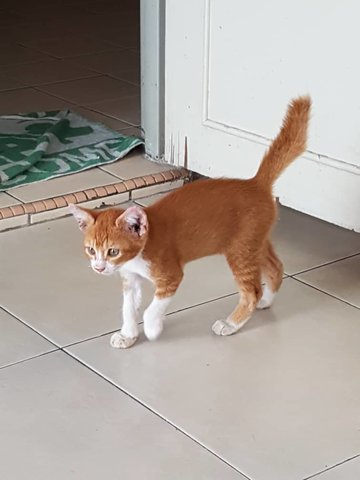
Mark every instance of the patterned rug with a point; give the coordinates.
(38, 146)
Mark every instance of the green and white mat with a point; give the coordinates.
(43, 145)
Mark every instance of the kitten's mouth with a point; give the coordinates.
(103, 272)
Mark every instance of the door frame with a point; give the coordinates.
(152, 54)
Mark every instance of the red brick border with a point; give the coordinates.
(93, 193)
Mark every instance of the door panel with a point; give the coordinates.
(231, 68)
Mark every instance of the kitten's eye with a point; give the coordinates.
(113, 252)
(91, 251)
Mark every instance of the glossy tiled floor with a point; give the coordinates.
(278, 401)
(72, 54)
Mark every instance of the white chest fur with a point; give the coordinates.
(138, 266)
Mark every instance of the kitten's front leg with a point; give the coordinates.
(131, 303)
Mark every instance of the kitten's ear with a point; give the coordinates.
(83, 216)
(135, 220)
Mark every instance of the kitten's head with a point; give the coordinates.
(112, 237)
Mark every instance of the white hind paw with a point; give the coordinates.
(153, 328)
(225, 327)
(267, 298)
(263, 303)
(118, 340)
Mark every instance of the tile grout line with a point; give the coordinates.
(154, 412)
(37, 50)
(25, 85)
(141, 323)
(113, 175)
(88, 339)
(101, 72)
(202, 303)
(44, 92)
(33, 50)
(92, 109)
(133, 84)
(109, 332)
(29, 358)
(12, 196)
(39, 89)
(332, 467)
(13, 89)
(29, 224)
(138, 200)
(92, 74)
(29, 326)
(115, 49)
(113, 77)
(331, 262)
(325, 293)
(110, 50)
(79, 342)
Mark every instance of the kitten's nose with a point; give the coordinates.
(99, 269)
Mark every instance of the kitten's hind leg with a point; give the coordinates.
(154, 316)
(247, 276)
(131, 303)
(155, 313)
(271, 275)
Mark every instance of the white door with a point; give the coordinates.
(231, 68)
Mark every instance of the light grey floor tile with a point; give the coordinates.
(279, 400)
(135, 165)
(347, 471)
(341, 279)
(6, 200)
(147, 201)
(60, 421)
(62, 185)
(304, 242)
(51, 287)
(18, 342)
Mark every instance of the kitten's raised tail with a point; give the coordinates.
(289, 144)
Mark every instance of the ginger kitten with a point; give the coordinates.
(207, 217)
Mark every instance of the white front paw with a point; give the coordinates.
(118, 340)
(153, 328)
(225, 327)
